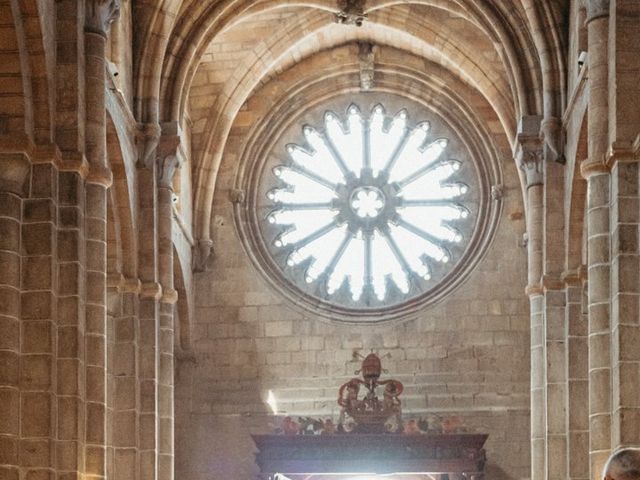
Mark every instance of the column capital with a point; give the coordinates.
(167, 154)
(551, 132)
(597, 9)
(201, 253)
(147, 138)
(530, 151)
(100, 14)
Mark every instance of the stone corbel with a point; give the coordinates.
(530, 162)
(530, 152)
(597, 9)
(100, 14)
(167, 154)
(147, 138)
(351, 12)
(551, 131)
(201, 253)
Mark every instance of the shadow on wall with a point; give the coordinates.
(494, 472)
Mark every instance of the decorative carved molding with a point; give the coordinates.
(237, 195)
(497, 192)
(597, 9)
(147, 138)
(201, 253)
(351, 12)
(100, 14)
(366, 61)
(151, 290)
(169, 295)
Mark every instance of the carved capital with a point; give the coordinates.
(351, 12)
(167, 154)
(366, 62)
(147, 138)
(530, 161)
(151, 290)
(100, 14)
(530, 153)
(201, 253)
(597, 9)
(551, 131)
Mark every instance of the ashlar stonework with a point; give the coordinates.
(140, 332)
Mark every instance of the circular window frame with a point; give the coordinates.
(281, 127)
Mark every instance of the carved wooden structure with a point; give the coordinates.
(298, 457)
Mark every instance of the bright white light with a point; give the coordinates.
(365, 235)
(272, 402)
(367, 203)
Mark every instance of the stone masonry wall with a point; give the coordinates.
(467, 355)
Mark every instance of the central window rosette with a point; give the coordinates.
(368, 206)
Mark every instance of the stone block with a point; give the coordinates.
(36, 414)
(9, 234)
(35, 453)
(36, 337)
(278, 329)
(36, 372)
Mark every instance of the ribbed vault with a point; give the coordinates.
(503, 50)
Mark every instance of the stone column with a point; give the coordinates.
(623, 158)
(150, 294)
(99, 16)
(577, 380)
(529, 159)
(12, 190)
(625, 313)
(555, 330)
(598, 179)
(38, 429)
(168, 161)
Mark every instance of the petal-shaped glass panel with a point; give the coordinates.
(350, 266)
(386, 265)
(305, 189)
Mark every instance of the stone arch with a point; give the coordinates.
(188, 46)
(16, 108)
(114, 237)
(123, 199)
(28, 63)
(575, 236)
(184, 306)
(219, 127)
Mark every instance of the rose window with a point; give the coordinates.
(365, 210)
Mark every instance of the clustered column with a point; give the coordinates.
(598, 258)
(99, 16)
(167, 155)
(148, 357)
(11, 194)
(577, 380)
(529, 159)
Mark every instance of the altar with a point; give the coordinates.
(316, 457)
(372, 438)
